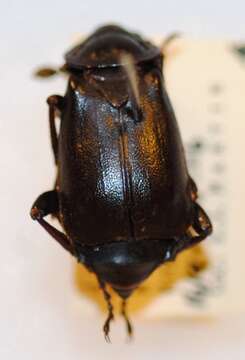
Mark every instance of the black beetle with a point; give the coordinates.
(123, 194)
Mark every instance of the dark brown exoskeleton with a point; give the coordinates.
(123, 193)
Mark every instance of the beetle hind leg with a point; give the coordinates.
(47, 203)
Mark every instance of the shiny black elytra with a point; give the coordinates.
(123, 193)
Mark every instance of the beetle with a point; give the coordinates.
(123, 193)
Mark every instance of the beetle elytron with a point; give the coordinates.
(123, 194)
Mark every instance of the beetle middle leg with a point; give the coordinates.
(47, 203)
(55, 103)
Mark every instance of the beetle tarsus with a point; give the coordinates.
(106, 328)
(107, 297)
(128, 323)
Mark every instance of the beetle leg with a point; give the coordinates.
(193, 189)
(47, 72)
(107, 297)
(47, 203)
(201, 226)
(55, 103)
(202, 222)
(125, 316)
(168, 41)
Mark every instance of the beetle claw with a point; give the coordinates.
(106, 327)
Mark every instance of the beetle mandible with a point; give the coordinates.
(123, 194)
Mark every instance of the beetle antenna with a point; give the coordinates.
(107, 297)
(124, 314)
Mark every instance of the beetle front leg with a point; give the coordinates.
(55, 103)
(47, 72)
(47, 203)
